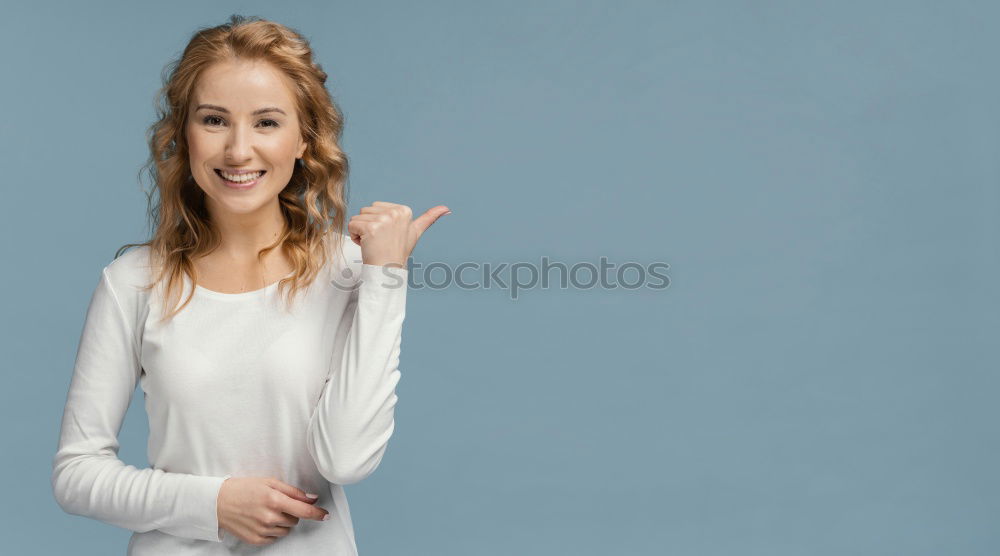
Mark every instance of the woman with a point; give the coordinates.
(256, 400)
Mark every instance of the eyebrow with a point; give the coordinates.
(255, 112)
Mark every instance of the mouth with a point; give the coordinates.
(245, 180)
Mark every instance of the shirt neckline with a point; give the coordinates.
(241, 295)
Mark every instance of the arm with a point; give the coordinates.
(353, 419)
(88, 479)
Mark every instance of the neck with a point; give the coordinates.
(243, 235)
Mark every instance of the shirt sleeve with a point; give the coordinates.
(353, 419)
(88, 479)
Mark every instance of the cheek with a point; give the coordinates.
(196, 146)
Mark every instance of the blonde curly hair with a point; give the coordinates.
(314, 203)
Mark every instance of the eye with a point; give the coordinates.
(208, 120)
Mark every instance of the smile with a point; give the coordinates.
(240, 181)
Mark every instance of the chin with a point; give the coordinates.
(247, 205)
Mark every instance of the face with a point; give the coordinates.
(242, 120)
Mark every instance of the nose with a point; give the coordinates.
(239, 145)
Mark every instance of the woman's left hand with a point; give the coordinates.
(387, 232)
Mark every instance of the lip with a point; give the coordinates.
(241, 186)
(239, 171)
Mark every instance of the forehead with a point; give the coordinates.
(242, 86)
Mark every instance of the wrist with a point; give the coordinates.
(397, 263)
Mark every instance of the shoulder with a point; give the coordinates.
(128, 276)
(131, 269)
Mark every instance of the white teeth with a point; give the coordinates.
(241, 177)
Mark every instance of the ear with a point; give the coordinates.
(302, 148)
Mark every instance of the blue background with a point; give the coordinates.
(819, 378)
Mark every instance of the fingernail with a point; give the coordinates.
(449, 212)
(313, 496)
(326, 517)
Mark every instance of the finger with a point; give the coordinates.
(384, 204)
(259, 540)
(389, 210)
(276, 531)
(278, 519)
(424, 221)
(355, 235)
(358, 229)
(292, 506)
(289, 490)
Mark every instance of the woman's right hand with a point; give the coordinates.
(260, 510)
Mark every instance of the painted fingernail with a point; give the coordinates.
(313, 496)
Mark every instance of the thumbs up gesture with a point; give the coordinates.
(387, 232)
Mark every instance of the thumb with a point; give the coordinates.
(424, 221)
(291, 491)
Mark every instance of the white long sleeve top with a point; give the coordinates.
(234, 386)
